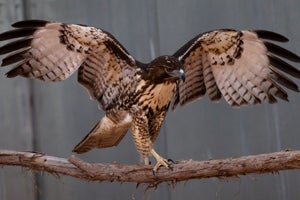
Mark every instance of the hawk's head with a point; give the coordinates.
(164, 68)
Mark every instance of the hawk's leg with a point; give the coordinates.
(145, 131)
(160, 161)
(147, 161)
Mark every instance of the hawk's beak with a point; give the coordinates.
(182, 74)
(178, 73)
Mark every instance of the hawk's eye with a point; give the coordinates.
(168, 68)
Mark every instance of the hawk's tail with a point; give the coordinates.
(106, 133)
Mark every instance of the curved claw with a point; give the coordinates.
(171, 161)
(161, 161)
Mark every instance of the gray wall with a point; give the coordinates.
(52, 118)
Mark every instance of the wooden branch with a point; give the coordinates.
(182, 170)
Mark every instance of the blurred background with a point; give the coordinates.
(53, 117)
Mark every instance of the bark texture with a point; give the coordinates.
(181, 170)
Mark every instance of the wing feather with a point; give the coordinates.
(237, 64)
(269, 35)
(277, 50)
(52, 51)
(210, 83)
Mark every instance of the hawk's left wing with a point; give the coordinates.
(236, 64)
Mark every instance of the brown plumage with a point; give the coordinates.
(238, 65)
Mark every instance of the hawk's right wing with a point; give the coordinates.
(52, 51)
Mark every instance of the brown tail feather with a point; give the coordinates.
(105, 134)
(88, 142)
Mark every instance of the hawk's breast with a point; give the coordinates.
(156, 96)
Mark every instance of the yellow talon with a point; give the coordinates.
(160, 161)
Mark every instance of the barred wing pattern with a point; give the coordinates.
(237, 65)
(52, 51)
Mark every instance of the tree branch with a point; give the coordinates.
(182, 170)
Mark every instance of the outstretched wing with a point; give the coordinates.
(52, 51)
(237, 65)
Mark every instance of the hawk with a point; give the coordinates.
(242, 66)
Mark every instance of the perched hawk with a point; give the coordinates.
(238, 65)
